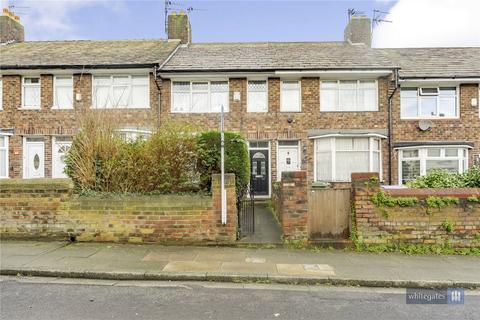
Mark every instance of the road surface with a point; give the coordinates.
(50, 298)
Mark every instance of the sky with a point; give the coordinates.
(414, 23)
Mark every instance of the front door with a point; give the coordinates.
(60, 147)
(34, 158)
(260, 181)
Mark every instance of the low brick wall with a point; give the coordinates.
(290, 203)
(417, 222)
(47, 208)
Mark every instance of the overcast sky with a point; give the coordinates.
(415, 23)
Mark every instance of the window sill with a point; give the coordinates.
(286, 111)
(199, 113)
(118, 108)
(60, 108)
(29, 108)
(347, 111)
(431, 118)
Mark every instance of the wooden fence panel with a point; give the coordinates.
(329, 213)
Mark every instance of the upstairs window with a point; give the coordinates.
(348, 95)
(31, 92)
(63, 92)
(290, 96)
(257, 98)
(121, 91)
(199, 96)
(428, 102)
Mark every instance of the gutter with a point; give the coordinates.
(79, 66)
(390, 127)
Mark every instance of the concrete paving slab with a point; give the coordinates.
(33, 248)
(246, 268)
(305, 269)
(221, 256)
(192, 266)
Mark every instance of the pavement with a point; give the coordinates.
(59, 298)
(227, 264)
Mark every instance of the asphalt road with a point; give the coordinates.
(44, 298)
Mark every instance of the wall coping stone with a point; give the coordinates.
(427, 192)
(31, 184)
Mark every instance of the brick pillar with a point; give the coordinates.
(227, 232)
(364, 186)
(294, 205)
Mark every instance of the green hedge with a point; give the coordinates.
(237, 159)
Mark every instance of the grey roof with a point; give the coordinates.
(263, 56)
(326, 132)
(45, 54)
(436, 62)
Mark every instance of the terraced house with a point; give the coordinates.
(331, 108)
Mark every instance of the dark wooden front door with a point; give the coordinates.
(259, 172)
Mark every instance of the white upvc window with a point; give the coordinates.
(31, 92)
(348, 95)
(199, 96)
(257, 96)
(63, 92)
(290, 96)
(429, 102)
(1, 94)
(336, 158)
(3, 156)
(121, 91)
(132, 134)
(414, 162)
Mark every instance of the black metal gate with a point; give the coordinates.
(246, 214)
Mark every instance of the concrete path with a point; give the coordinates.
(155, 262)
(267, 230)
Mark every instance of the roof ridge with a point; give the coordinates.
(269, 42)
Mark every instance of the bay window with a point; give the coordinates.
(3, 156)
(63, 92)
(336, 158)
(199, 96)
(348, 95)
(257, 96)
(31, 92)
(416, 162)
(290, 96)
(428, 102)
(121, 91)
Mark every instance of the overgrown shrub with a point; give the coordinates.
(438, 178)
(236, 159)
(101, 160)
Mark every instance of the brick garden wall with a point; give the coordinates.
(47, 208)
(419, 223)
(290, 202)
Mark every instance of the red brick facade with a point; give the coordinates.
(271, 126)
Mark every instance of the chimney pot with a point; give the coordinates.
(11, 30)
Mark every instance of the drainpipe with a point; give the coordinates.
(390, 127)
(158, 82)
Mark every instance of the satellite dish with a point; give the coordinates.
(425, 125)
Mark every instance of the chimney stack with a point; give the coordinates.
(179, 27)
(358, 30)
(11, 30)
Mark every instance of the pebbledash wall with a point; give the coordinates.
(48, 209)
(418, 223)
